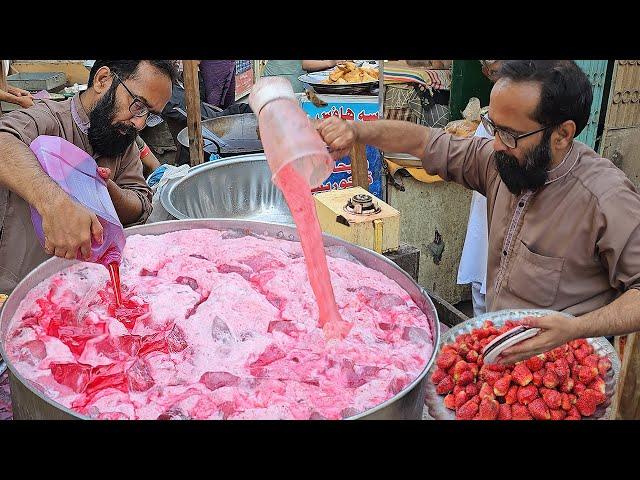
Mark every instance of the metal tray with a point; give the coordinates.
(434, 403)
(315, 80)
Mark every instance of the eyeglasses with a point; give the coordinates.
(138, 107)
(509, 139)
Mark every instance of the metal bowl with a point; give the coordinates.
(434, 403)
(236, 188)
(30, 403)
(239, 131)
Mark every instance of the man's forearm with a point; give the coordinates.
(620, 317)
(21, 173)
(393, 136)
(127, 203)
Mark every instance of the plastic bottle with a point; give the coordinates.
(77, 174)
(286, 132)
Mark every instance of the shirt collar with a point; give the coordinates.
(79, 114)
(564, 167)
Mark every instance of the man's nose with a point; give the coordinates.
(498, 144)
(139, 122)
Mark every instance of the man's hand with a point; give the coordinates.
(24, 101)
(18, 92)
(68, 226)
(555, 330)
(338, 134)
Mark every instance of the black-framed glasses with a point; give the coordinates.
(509, 139)
(138, 107)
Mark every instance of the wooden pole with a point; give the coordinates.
(3, 78)
(627, 401)
(192, 99)
(359, 166)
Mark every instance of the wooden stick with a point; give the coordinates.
(192, 99)
(627, 401)
(359, 166)
(3, 79)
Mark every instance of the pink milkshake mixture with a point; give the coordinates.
(216, 325)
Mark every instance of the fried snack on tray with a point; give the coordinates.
(349, 73)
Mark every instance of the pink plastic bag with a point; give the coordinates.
(77, 174)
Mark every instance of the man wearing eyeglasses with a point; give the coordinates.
(564, 223)
(121, 98)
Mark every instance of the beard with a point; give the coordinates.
(105, 137)
(533, 174)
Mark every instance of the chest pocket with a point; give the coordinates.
(535, 278)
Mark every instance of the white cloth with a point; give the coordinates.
(473, 262)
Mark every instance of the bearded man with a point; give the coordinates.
(121, 97)
(563, 222)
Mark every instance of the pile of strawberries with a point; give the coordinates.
(563, 384)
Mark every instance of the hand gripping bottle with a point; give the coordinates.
(77, 174)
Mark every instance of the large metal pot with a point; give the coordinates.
(30, 403)
(236, 188)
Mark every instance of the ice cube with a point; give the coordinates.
(189, 281)
(176, 340)
(339, 251)
(220, 331)
(153, 343)
(348, 412)
(417, 335)
(148, 273)
(216, 380)
(32, 352)
(139, 378)
(73, 375)
(284, 326)
(173, 413)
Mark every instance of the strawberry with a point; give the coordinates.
(451, 370)
(591, 360)
(488, 410)
(587, 348)
(604, 365)
(539, 410)
(595, 396)
(580, 355)
(446, 360)
(495, 367)
(550, 379)
(579, 387)
(587, 374)
(438, 376)
(512, 395)
(577, 343)
(527, 394)
(558, 414)
(476, 399)
(520, 412)
(472, 356)
(466, 378)
(522, 375)
(570, 358)
(573, 398)
(467, 411)
(555, 354)
(573, 417)
(492, 377)
(450, 348)
(488, 324)
(566, 402)
(476, 346)
(562, 369)
(598, 385)
(484, 342)
(567, 385)
(474, 368)
(549, 365)
(586, 405)
(552, 398)
(472, 389)
(460, 399)
(537, 377)
(445, 386)
(574, 412)
(458, 368)
(504, 412)
(501, 387)
(534, 363)
(486, 391)
(449, 401)
(458, 388)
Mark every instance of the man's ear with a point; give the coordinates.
(102, 80)
(564, 134)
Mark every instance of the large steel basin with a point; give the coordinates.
(29, 403)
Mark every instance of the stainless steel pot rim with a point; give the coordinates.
(287, 232)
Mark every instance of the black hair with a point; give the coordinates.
(566, 93)
(127, 68)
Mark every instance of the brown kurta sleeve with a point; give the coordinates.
(618, 230)
(30, 123)
(467, 161)
(130, 177)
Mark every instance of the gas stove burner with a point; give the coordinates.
(362, 204)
